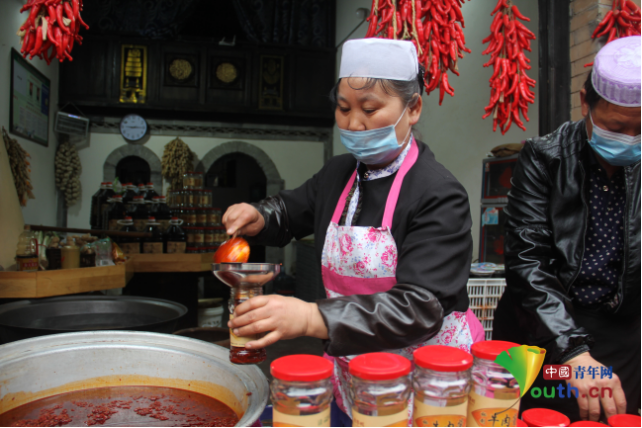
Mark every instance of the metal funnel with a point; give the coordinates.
(245, 274)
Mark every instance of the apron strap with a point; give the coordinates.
(342, 199)
(393, 195)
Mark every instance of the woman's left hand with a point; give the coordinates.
(283, 317)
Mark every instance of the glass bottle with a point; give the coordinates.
(139, 213)
(128, 195)
(380, 389)
(176, 237)
(105, 202)
(301, 391)
(238, 353)
(494, 396)
(141, 189)
(94, 216)
(162, 212)
(129, 245)
(27, 251)
(153, 244)
(441, 382)
(150, 192)
(116, 212)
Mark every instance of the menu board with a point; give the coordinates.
(29, 101)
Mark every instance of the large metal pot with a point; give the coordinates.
(44, 366)
(25, 319)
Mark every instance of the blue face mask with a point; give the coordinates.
(374, 146)
(615, 148)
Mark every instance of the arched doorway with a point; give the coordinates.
(235, 178)
(133, 169)
(140, 154)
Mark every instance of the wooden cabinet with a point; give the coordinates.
(202, 80)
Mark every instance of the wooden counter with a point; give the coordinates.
(61, 282)
(200, 262)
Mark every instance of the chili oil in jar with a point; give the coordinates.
(494, 396)
(239, 354)
(380, 389)
(301, 391)
(441, 382)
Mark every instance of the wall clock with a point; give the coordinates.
(133, 127)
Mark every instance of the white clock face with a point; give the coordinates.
(133, 127)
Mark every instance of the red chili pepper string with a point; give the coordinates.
(510, 85)
(434, 28)
(51, 29)
(623, 20)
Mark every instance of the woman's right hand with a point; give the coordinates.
(243, 219)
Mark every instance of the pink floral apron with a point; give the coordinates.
(363, 260)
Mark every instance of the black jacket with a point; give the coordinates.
(547, 219)
(431, 227)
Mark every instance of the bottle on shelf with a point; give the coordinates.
(105, 201)
(128, 195)
(162, 212)
(153, 244)
(141, 189)
(129, 245)
(115, 212)
(150, 192)
(94, 215)
(139, 213)
(27, 251)
(176, 238)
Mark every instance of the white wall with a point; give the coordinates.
(455, 131)
(41, 210)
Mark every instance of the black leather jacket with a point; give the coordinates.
(547, 219)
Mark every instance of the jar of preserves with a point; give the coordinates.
(176, 238)
(201, 217)
(494, 395)
(199, 237)
(545, 418)
(210, 236)
(198, 180)
(188, 180)
(301, 391)
(178, 199)
(189, 217)
(191, 237)
(441, 382)
(380, 390)
(214, 216)
(206, 198)
(220, 235)
(189, 200)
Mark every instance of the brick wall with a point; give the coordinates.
(585, 15)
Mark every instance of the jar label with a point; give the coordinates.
(426, 415)
(153, 247)
(321, 419)
(491, 412)
(397, 420)
(239, 342)
(27, 264)
(176, 247)
(130, 248)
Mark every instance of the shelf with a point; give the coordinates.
(61, 282)
(200, 262)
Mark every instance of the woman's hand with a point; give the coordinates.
(592, 391)
(243, 219)
(284, 317)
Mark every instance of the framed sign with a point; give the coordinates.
(29, 110)
(271, 83)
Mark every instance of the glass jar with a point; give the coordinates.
(301, 391)
(380, 390)
(199, 237)
(210, 237)
(201, 217)
(189, 198)
(206, 198)
(494, 396)
(220, 235)
(191, 237)
(441, 382)
(179, 201)
(188, 180)
(189, 217)
(239, 354)
(198, 180)
(214, 217)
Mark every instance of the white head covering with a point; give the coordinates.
(380, 59)
(616, 72)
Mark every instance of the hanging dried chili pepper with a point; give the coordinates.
(510, 85)
(51, 29)
(622, 20)
(433, 27)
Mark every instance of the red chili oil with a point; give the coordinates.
(241, 355)
(123, 406)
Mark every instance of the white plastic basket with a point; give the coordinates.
(484, 295)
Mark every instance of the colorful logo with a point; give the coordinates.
(524, 363)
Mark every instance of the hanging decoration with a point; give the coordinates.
(68, 169)
(623, 20)
(432, 25)
(510, 85)
(177, 160)
(51, 29)
(19, 167)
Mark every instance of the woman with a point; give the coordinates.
(392, 229)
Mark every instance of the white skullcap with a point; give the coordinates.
(380, 59)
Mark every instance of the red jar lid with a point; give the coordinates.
(545, 418)
(379, 366)
(301, 368)
(443, 358)
(490, 349)
(625, 421)
(521, 423)
(587, 424)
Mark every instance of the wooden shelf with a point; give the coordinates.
(200, 262)
(49, 283)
